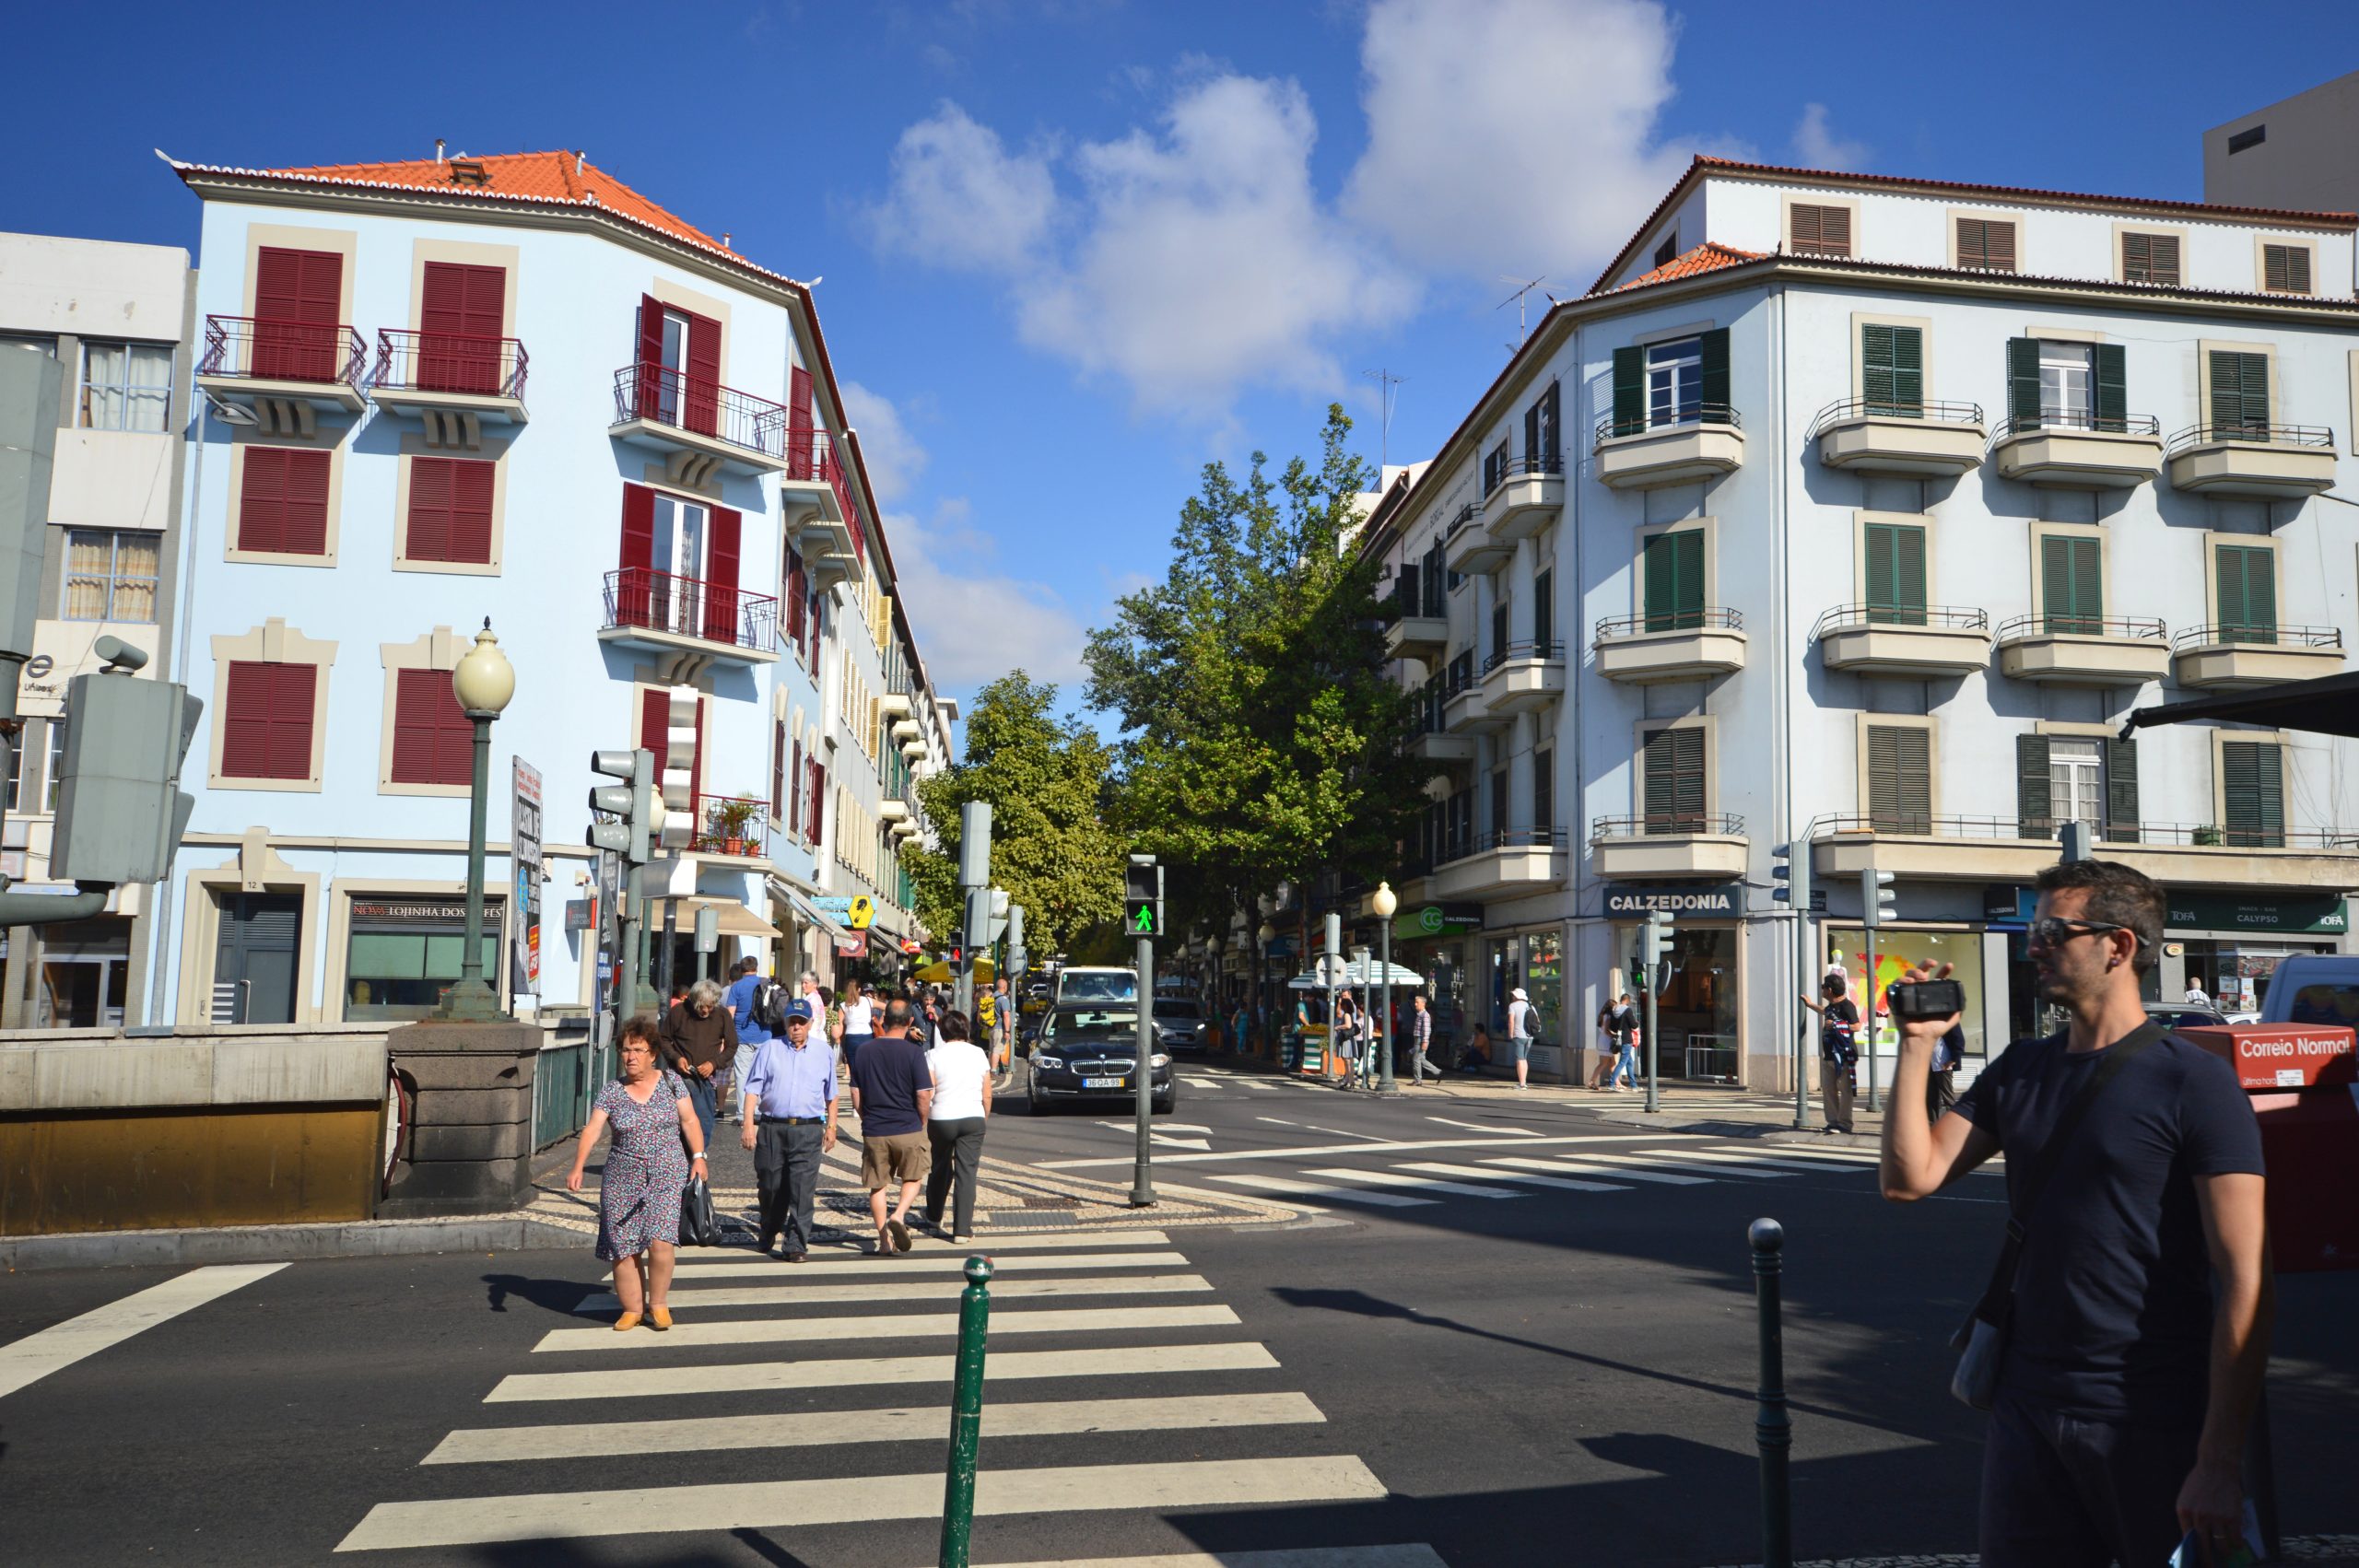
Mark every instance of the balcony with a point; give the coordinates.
(907, 730)
(2082, 650)
(913, 748)
(2271, 463)
(1464, 711)
(1414, 625)
(812, 494)
(665, 614)
(1875, 639)
(697, 426)
(1523, 677)
(1469, 549)
(455, 383)
(1639, 457)
(1684, 645)
(904, 828)
(287, 372)
(1441, 748)
(2079, 451)
(892, 703)
(1672, 844)
(2226, 657)
(892, 808)
(2005, 849)
(730, 827)
(1527, 498)
(1937, 440)
(1503, 864)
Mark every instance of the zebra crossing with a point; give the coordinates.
(765, 1360)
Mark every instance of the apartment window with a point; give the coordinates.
(2252, 793)
(433, 738)
(2061, 779)
(16, 772)
(267, 719)
(1820, 230)
(1670, 383)
(1986, 244)
(1437, 579)
(679, 565)
(2245, 585)
(2150, 258)
(1544, 790)
(2071, 583)
(1543, 611)
(1675, 381)
(1669, 249)
(1673, 567)
(1540, 426)
(450, 511)
(2066, 377)
(1494, 467)
(1891, 368)
(39, 344)
(111, 575)
(127, 386)
(794, 791)
(1673, 763)
(679, 374)
(283, 501)
(1896, 572)
(2250, 136)
(1900, 778)
(1500, 631)
(2076, 385)
(2286, 269)
(55, 777)
(2076, 783)
(1498, 805)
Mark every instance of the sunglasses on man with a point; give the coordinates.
(2055, 931)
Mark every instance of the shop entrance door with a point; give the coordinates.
(253, 958)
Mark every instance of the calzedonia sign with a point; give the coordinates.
(1724, 901)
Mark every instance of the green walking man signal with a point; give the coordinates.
(1142, 901)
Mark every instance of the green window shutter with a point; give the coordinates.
(2239, 390)
(2122, 791)
(1688, 792)
(1629, 390)
(1674, 784)
(1659, 782)
(1892, 369)
(1713, 375)
(2112, 387)
(2248, 592)
(2252, 784)
(1675, 580)
(2072, 584)
(2034, 805)
(1875, 366)
(1532, 436)
(2023, 383)
(1895, 573)
(1909, 369)
(1900, 783)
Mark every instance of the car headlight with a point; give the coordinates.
(1159, 1059)
(1054, 1064)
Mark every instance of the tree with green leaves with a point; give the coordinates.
(1262, 738)
(1052, 848)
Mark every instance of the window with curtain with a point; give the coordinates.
(56, 765)
(1675, 381)
(127, 386)
(111, 575)
(2076, 783)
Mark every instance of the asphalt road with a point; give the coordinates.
(1511, 1373)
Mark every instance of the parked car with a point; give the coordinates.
(1089, 1051)
(1179, 1025)
(2185, 1015)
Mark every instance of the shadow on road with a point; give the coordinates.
(551, 1295)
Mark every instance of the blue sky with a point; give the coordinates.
(1073, 249)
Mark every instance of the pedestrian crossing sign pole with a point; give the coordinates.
(1143, 919)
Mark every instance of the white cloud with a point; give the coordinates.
(960, 199)
(893, 455)
(1469, 169)
(1817, 147)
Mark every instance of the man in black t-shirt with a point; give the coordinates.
(1839, 1049)
(2122, 1400)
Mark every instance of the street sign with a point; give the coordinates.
(1332, 969)
(860, 912)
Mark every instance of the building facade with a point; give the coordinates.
(513, 388)
(1854, 514)
(2298, 152)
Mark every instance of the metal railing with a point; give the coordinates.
(1514, 467)
(1914, 825)
(1515, 651)
(2080, 419)
(269, 350)
(729, 824)
(1459, 678)
(449, 362)
(1455, 846)
(2269, 435)
(2228, 632)
(684, 606)
(1712, 619)
(1846, 617)
(664, 396)
(1888, 408)
(1705, 413)
(1710, 1058)
(1653, 825)
(2142, 628)
(565, 1080)
(1460, 518)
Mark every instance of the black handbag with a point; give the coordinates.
(697, 1225)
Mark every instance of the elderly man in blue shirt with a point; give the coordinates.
(790, 1123)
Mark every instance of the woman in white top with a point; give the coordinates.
(962, 1099)
(860, 1020)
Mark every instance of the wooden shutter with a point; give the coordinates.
(794, 594)
(2247, 576)
(450, 511)
(778, 768)
(298, 296)
(283, 501)
(1900, 781)
(1543, 612)
(433, 740)
(2121, 809)
(2150, 258)
(1892, 369)
(794, 787)
(1986, 244)
(1551, 448)
(802, 458)
(266, 722)
(1895, 573)
(651, 377)
(1674, 782)
(2253, 792)
(2286, 269)
(1629, 390)
(2023, 383)
(635, 589)
(462, 312)
(721, 576)
(1675, 580)
(1532, 436)
(2034, 799)
(1821, 231)
(2072, 584)
(701, 410)
(2239, 392)
(1544, 790)
(1713, 377)
(2112, 386)
(818, 801)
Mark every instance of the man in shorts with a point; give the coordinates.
(892, 1090)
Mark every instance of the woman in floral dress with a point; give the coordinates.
(638, 1196)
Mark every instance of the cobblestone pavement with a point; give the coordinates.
(2327, 1551)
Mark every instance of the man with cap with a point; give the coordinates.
(1520, 1034)
(790, 1123)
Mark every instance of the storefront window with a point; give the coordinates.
(403, 955)
(1543, 977)
(1697, 1016)
(1897, 951)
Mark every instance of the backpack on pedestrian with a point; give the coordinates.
(769, 1006)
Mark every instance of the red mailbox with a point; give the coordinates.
(2304, 1082)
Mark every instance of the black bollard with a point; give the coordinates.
(1772, 1432)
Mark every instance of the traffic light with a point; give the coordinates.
(1875, 898)
(1654, 946)
(1143, 898)
(631, 806)
(1015, 954)
(675, 770)
(1789, 867)
(121, 812)
(995, 921)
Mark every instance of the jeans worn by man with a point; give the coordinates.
(790, 1124)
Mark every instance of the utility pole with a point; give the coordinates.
(1654, 942)
(974, 880)
(1331, 969)
(1143, 918)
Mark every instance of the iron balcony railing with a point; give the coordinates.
(449, 362)
(1888, 408)
(2080, 419)
(1702, 413)
(664, 396)
(1711, 619)
(1655, 825)
(2142, 628)
(1464, 515)
(1459, 678)
(1465, 846)
(1515, 651)
(730, 824)
(1514, 467)
(2271, 435)
(1918, 824)
(2225, 633)
(267, 350)
(1848, 617)
(641, 599)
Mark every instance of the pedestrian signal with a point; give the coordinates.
(1143, 898)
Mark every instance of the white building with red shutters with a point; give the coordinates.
(512, 388)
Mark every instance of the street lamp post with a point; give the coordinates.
(1264, 937)
(1211, 999)
(1385, 902)
(483, 683)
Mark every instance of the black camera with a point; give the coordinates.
(1926, 998)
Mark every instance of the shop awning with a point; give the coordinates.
(2327, 706)
(837, 933)
(736, 918)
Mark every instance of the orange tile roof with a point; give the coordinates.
(549, 176)
(1708, 257)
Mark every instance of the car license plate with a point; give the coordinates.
(1102, 1083)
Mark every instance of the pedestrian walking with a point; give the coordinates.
(1617, 1023)
(790, 1110)
(1520, 1035)
(647, 1110)
(2132, 1299)
(955, 1124)
(1344, 1035)
(1839, 1049)
(700, 1040)
(893, 1092)
(858, 1021)
(744, 999)
(1421, 1040)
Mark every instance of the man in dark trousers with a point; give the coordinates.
(2118, 1423)
(1839, 1049)
(790, 1123)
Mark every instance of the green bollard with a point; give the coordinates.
(1773, 1429)
(966, 1416)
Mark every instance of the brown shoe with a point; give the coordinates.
(659, 1318)
(793, 1258)
(900, 1234)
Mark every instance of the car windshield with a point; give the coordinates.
(1072, 1020)
(2332, 1005)
(1104, 986)
(1168, 1009)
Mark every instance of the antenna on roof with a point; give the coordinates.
(1386, 380)
(1524, 290)
(577, 161)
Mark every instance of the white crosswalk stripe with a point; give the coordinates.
(1315, 1189)
(924, 1245)
(895, 1325)
(1619, 1172)
(944, 1260)
(1350, 1177)
(785, 1292)
(1568, 1183)
(1688, 1162)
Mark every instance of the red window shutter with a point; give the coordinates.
(794, 595)
(429, 510)
(298, 297)
(801, 457)
(818, 799)
(635, 584)
(720, 575)
(778, 768)
(283, 501)
(460, 315)
(654, 709)
(306, 503)
(703, 412)
(267, 719)
(794, 791)
(471, 488)
(433, 742)
(649, 377)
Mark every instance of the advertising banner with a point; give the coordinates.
(525, 860)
